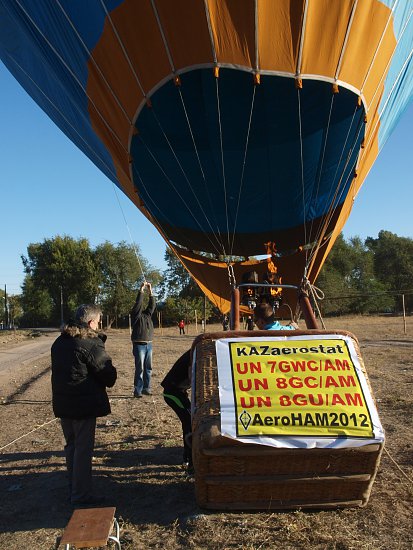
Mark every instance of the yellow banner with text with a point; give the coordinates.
(298, 388)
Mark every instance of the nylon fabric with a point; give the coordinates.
(234, 157)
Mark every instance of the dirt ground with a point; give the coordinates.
(138, 453)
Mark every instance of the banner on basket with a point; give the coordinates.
(301, 386)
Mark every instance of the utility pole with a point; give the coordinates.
(6, 311)
(61, 305)
(404, 315)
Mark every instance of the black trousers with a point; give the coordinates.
(179, 402)
(80, 441)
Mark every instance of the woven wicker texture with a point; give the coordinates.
(234, 475)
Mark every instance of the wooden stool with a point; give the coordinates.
(91, 527)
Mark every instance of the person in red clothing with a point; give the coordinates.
(181, 326)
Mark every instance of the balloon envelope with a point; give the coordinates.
(241, 129)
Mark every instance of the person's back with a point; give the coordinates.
(176, 385)
(81, 370)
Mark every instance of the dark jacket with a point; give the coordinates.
(81, 371)
(142, 325)
(179, 375)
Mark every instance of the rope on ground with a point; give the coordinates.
(398, 467)
(54, 420)
(28, 433)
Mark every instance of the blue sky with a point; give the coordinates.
(48, 188)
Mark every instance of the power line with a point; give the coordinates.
(364, 294)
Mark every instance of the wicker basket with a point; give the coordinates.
(233, 475)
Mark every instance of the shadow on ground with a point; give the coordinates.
(145, 485)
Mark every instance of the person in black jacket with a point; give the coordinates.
(81, 371)
(175, 385)
(142, 334)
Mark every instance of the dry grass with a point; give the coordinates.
(138, 454)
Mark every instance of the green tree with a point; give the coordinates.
(15, 309)
(190, 309)
(121, 269)
(176, 279)
(183, 297)
(66, 270)
(2, 308)
(349, 282)
(334, 278)
(370, 293)
(36, 303)
(393, 263)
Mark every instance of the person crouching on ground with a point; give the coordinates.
(81, 372)
(176, 384)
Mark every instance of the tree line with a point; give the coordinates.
(374, 276)
(370, 276)
(63, 272)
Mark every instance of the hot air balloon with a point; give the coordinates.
(242, 129)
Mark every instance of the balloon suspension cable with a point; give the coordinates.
(316, 294)
(300, 130)
(224, 181)
(215, 233)
(235, 299)
(130, 234)
(243, 168)
(231, 276)
(336, 192)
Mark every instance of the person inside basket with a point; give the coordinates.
(176, 385)
(264, 318)
(81, 372)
